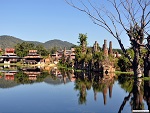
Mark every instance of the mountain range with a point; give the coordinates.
(10, 41)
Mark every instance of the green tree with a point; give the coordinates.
(41, 50)
(116, 17)
(124, 63)
(22, 49)
(83, 41)
(98, 56)
(53, 50)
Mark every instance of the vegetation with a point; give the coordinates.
(124, 63)
(147, 78)
(53, 50)
(130, 17)
(23, 49)
(126, 82)
(10, 42)
(84, 53)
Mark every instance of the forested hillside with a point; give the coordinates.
(10, 41)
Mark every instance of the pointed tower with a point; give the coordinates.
(110, 90)
(105, 95)
(105, 50)
(95, 46)
(110, 51)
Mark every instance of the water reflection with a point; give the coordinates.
(147, 93)
(137, 96)
(86, 81)
(139, 91)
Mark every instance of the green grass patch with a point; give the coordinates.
(146, 78)
(120, 72)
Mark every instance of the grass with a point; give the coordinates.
(120, 72)
(146, 78)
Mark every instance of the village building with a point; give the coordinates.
(63, 53)
(32, 73)
(9, 76)
(32, 58)
(8, 72)
(9, 56)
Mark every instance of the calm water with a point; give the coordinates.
(54, 91)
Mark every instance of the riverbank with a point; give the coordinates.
(24, 65)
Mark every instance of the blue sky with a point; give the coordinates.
(43, 20)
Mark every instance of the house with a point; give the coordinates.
(32, 58)
(64, 53)
(9, 56)
(9, 76)
(32, 73)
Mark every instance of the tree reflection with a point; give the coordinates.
(86, 81)
(126, 82)
(29, 75)
(140, 91)
(147, 93)
(81, 85)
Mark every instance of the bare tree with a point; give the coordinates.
(129, 16)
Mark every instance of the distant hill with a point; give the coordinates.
(10, 41)
(7, 83)
(57, 81)
(58, 43)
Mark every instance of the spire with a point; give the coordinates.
(110, 90)
(105, 50)
(105, 95)
(110, 48)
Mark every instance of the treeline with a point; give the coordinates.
(85, 57)
(10, 41)
(125, 65)
(88, 56)
(22, 49)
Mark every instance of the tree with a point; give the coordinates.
(22, 49)
(83, 41)
(126, 16)
(53, 50)
(41, 50)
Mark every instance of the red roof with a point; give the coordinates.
(9, 49)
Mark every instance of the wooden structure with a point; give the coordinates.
(9, 56)
(32, 73)
(32, 58)
(64, 53)
(9, 76)
(9, 72)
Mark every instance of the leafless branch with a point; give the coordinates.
(129, 14)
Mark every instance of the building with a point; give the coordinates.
(9, 56)
(8, 72)
(64, 53)
(32, 58)
(32, 73)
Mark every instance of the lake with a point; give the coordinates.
(58, 91)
